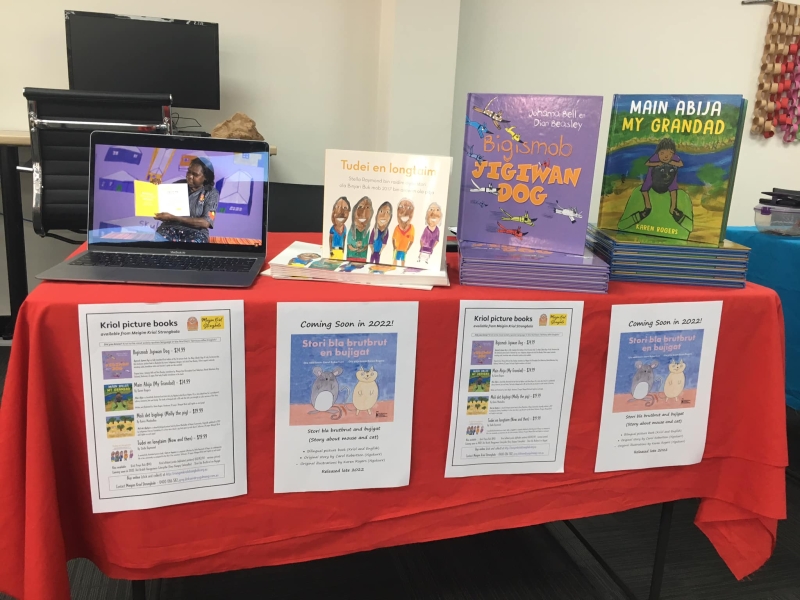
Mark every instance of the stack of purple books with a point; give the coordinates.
(495, 265)
(526, 189)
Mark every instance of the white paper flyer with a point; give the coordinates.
(383, 209)
(164, 398)
(344, 395)
(515, 374)
(658, 385)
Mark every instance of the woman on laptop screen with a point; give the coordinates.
(203, 201)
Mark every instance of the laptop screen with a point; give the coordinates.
(171, 195)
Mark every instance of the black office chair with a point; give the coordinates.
(295, 208)
(61, 122)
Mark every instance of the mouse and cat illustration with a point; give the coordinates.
(659, 370)
(343, 378)
(655, 391)
(329, 395)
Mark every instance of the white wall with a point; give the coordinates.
(416, 76)
(622, 46)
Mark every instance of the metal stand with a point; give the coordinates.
(791, 474)
(661, 550)
(137, 590)
(658, 563)
(15, 237)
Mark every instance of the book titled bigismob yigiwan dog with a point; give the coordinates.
(528, 166)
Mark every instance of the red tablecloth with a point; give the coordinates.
(45, 508)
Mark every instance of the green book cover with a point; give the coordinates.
(622, 239)
(670, 164)
(732, 176)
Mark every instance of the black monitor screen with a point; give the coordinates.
(112, 53)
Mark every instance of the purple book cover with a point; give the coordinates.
(482, 352)
(538, 285)
(117, 364)
(472, 271)
(516, 254)
(528, 168)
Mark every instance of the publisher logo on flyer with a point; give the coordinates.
(212, 322)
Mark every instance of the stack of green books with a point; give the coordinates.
(667, 190)
(635, 257)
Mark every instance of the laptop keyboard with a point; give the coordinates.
(165, 261)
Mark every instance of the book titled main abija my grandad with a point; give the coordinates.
(670, 165)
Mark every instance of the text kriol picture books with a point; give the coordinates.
(670, 165)
(528, 166)
(383, 208)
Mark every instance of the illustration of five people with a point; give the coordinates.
(363, 242)
(120, 455)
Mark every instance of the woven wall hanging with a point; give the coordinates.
(776, 108)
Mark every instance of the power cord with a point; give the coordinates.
(63, 239)
(176, 118)
(23, 218)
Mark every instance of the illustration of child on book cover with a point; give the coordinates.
(118, 396)
(669, 166)
(657, 370)
(342, 378)
(479, 380)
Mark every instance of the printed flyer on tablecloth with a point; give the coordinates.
(515, 374)
(344, 395)
(165, 402)
(658, 385)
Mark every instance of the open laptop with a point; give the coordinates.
(173, 210)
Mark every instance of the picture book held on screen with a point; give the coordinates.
(528, 165)
(670, 165)
(385, 209)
